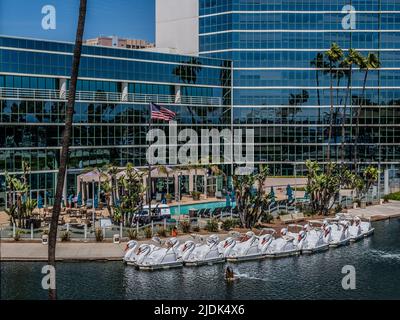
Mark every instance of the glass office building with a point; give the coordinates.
(280, 92)
(112, 106)
(256, 69)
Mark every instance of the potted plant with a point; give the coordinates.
(196, 195)
(168, 197)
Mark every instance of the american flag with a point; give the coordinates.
(161, 113)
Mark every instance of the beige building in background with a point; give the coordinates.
(114, 41)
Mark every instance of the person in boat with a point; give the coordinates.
(229, 275)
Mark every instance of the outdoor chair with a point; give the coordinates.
(206, 213)
(216, 212)
(201, 212)
(227, 209)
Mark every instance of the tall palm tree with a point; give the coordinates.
(319, 64)
(334, 55)
(347, 63)
(366, 64)
(66, 140)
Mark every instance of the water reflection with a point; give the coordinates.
(376, 259)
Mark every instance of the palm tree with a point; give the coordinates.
(366, 64)
(334, 54)
(319, 64)
(347, 63)
(66, 140)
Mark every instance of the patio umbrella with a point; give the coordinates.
(40, 202)
(233, 199)
(289, 192)
(271, 195)
(79, 200)
(96, 201)
(227, 200)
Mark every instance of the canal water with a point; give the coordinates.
(376, 261)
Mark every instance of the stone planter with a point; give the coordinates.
(355, 205)
(196, 196)
(363, 205)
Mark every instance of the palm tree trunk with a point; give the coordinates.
(344, 115)
(318, 96)
(358, 121)
(328, 152)
(66, 141)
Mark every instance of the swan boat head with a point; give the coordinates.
(130, 249)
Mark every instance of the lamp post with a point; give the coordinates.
(295, 181)
(93, 211)
(179, 193)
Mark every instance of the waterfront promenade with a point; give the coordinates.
(71, 251)
(378, 212)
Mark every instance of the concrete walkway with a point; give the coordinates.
(22, 251)
(378, 212)
(71, 251)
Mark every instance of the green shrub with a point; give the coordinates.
(99, 234)
(185, 226)
(392, 196)
(230, 223)
(17, 236)
(212, 225)
(267, 218)
(162, 232)
(66, 236)
(338, 209)
(132, 234)
(148, 233)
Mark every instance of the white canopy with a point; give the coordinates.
(94, 175)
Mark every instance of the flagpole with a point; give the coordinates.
(149, 165)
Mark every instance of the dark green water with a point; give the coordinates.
(376, 260)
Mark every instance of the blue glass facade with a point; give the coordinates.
(285, 98)
(111, 114)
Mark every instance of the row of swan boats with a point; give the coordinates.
(315, 236)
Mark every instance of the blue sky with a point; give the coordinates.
(125, 18)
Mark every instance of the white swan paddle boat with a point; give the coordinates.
(130, 252)
(336, 233)
(242, 249)
(359, 227)
(150, 257)
(193, 254)
(312, 239)
(282, 247)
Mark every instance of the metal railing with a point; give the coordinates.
(84, 232)
(21, 93)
